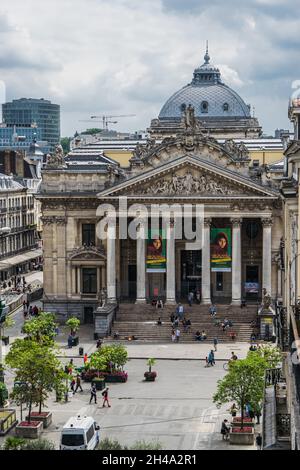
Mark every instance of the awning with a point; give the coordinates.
(19, 259)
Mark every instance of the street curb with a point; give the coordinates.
(156, 358)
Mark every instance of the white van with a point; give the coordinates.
(79, 433)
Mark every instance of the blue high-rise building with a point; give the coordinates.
(26, 112)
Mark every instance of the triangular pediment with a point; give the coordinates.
(189, 176)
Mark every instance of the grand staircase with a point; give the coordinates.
(140, 321)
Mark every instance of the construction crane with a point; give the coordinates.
(105, 119)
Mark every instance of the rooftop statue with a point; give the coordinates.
(57, 159)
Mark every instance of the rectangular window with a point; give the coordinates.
(88, 234)
(89, 280)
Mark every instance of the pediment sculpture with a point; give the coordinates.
(187, 184)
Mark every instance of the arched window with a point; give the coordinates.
(225, 107)
(204, 107)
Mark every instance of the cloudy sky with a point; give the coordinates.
(129, 56)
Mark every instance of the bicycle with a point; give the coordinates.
(226, 366)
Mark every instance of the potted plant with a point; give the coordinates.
(73, 323)
(150, 375)
(108, 362)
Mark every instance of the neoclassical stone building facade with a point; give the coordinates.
(189, 167)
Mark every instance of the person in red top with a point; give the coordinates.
(85, 358)
(105, 397)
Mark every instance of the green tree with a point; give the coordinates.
(244, 383)
(41, 329)
(65, 143)
(270, 353)
(109, 358)
(36, 366)
(92, 131)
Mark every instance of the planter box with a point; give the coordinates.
(31, 430)
(236, 422)
(100, 384)
(8, 420)
(150, 376)
(242, 438)
(111, 378)
(75, 341)
(45, 417)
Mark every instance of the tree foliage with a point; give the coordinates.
(36, 366)
(65, 143)
(73, 323)
(109, 358)
(17, 443)
(271, 354)
(41, 329)
(110, 444)
(244, 383)
(150, 363)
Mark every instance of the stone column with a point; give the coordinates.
(236, 274)
(140, 264)
(267, 255)
(205, 294)
(170, 293)
(111, 261)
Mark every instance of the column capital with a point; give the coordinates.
(267, 221)
(236, 222)
(207, 221)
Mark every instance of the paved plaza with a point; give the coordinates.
(177, 409)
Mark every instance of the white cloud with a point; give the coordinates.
(129, 56)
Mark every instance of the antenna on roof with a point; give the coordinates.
(206, 57)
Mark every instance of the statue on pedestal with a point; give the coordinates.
(266, 300)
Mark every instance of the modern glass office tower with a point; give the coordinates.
(26, 111)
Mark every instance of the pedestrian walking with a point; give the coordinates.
(105, 398)
(173, 336)
(24, 305)
(213, 310)
(30, 312)
(72, 385)
(177, 334)
(93, 394)
(180, 311)
(258, 441)
(225, 430)
(85, 359)
(78, 384)
(211, 358)
(28, 304)
(215, 344)
(257, 413)
(190, 298)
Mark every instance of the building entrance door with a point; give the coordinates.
(88, 315)
(132, 281)
(252, 282)
(191, 269)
